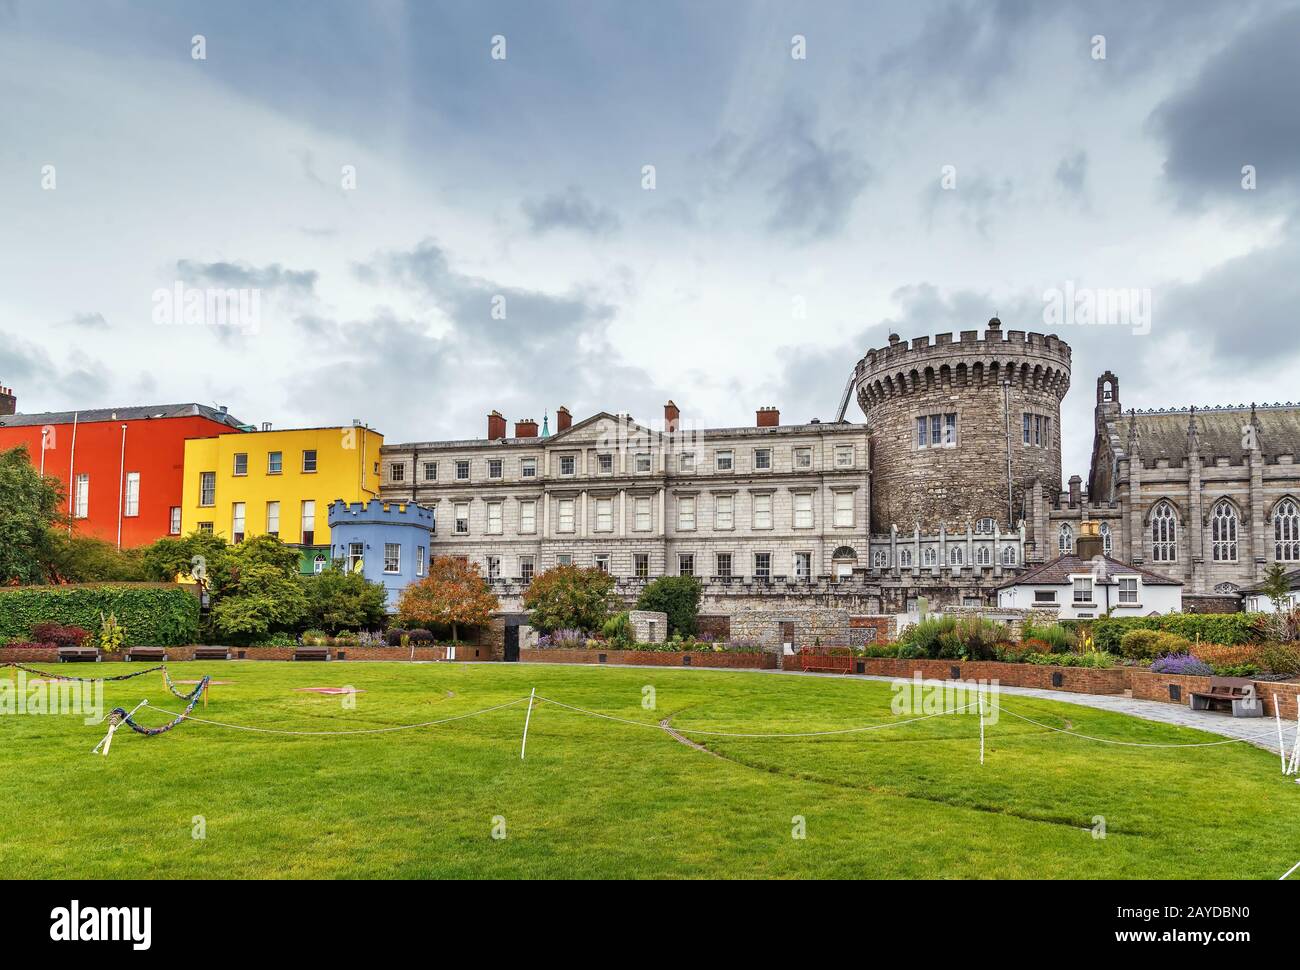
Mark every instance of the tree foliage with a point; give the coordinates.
(28, 510)
(339, 600)
(568, 597)
(679, 597)
(453, 594)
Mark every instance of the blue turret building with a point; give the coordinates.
(386, 542)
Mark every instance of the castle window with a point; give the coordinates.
(1036, 430)
(1164, 534)
(929, 556)
(1286, 531)
(1223, 532)
(803, 565)
(356, 553)
(724, 565)
(763, 565)
(1065, 539)
(419, 560)
(983, 556)
(880, 558)
(1008, 555)
(936, 431)
(1106, 539)
(905, 557)
(956, 555)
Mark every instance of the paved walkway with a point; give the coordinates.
(1259, 731)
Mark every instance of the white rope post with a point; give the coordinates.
(527, 718)
(1281, 744)
(1295, 749)
(980, 694)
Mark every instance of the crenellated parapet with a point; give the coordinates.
(375, 512)
(968, 359)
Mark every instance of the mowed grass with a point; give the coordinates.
(598, 798)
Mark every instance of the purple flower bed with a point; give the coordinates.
(1181, 663)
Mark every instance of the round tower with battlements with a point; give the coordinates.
(961, 427)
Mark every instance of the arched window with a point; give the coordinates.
(1223, 532)
(1286, 531)
(1164, 534)
(956, 555)
(880, 558)
(1106, 545)
(1008, 555)
(1065, 539)
(984, 555)
(905, 557)
(928, 556)
(319, 563)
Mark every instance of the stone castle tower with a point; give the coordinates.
(960, 429)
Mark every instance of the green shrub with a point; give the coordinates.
(619, 632)
(678, 597)
(1055, 635)
(1280, 658)
(924, 635)
(1139, 644)
(162, 615)
(1097, 659)
(1225, 628)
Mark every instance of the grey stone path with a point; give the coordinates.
(1244, 728)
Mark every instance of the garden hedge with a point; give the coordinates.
(153, 614)
(1225, 628)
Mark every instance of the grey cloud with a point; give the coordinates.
(1240, 110)
(1072, 173)
(89, 321)
(569, 210)
(243, 275)
(42, 385)
(812, 180)
(975, 200)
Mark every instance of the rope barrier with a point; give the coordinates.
(120, 714)
(385, 730)
(83, 680)
(1130, 744)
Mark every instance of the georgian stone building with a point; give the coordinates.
(770, 506)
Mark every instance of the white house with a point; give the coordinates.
(1084, 588)
(1257, 601)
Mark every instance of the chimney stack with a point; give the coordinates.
(1089, 543)
(563, 419)
(672, 417)
(527, 428)
(8, 403)
(496, 426)
(768, 417)
(1075, 482)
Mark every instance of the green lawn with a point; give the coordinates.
(597, 798)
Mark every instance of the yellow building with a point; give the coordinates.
(244, 484)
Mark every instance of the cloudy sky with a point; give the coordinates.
(435, 231)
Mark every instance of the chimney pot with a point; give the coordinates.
(768, 417)
(8, 403)
(496, 426)
(672, 417)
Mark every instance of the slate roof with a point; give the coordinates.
(1163, 434)
(134, 413)
(1057, 572)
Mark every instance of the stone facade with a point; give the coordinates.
(772, 503)
(960, 430)
(650, 626)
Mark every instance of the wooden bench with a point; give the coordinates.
(147, 653)
(211, 653)
(78, 655)
(1236, 692)
(311, 653)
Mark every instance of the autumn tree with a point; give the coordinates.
(568, 597)
(453, 594)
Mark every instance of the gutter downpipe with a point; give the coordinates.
(121, 486)
(72, 481)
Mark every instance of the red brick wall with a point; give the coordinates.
(1077, 679)
(653, 658)
(29, 655)
(1150, 686)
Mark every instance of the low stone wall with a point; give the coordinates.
(653, 658)
(1080, 680)
(1150, 686)
(871, 629)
